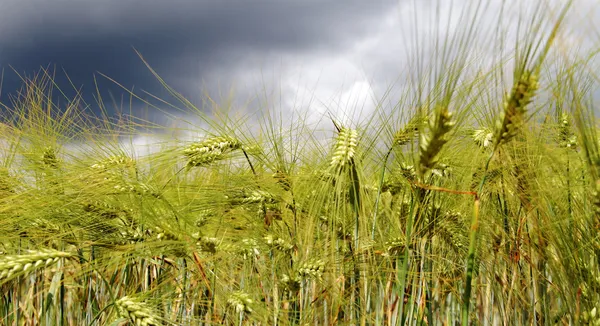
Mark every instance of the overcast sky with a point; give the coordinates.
(339, 53)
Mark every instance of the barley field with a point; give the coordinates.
(474, 200)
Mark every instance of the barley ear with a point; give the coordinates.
(210, 150)
(483, 137)
(14, 265)
(410, 130)
(312, 269)
(49, 158)
(240, 302)
(513, 115)
(139, 312)
(566, 137)
(345, 148)
(435, 137)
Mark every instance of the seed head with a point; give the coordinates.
(409, 131)
(49, 158)
(483, 137)
(116, 161)
(434, 139)
(345, 148)
(137, 311)
(278, 244)
(394, 246)
(259, 196)
(12, 265)
(511, 118)
(596, 197)
(289, 283)
(312, 269)
(208, 244)
(210, 150)
(566, 138)
(248, 248)
(6, 184)
(240, 302)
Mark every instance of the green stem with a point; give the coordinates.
(472, 244)
(379, 193)
(249, 162)
(356, 205)
(429, 283)
(404, 272)
(183, 289)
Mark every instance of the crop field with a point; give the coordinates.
(474, 199)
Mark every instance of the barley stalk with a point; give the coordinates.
(401, 137)
(343, 161)
(509, 122)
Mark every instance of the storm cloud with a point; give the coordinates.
(184, 41)
(343, 52)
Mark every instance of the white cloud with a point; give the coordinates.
(349, 81)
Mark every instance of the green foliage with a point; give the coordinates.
(414, 217)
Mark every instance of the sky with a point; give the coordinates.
(320, 55)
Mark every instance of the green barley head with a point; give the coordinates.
(248, 248)
(408, 172)
(116, 161)
(210, 150)
(240, 302)
(409, 131)
(49, 158)
(596, 198)
(484, 138)
(276, 243)
(291, 283)
(345, 148)
(435, 137)
(566, 137)
(312, 269)
(13, 265)
(513, 115)
(395, 246)
(258, 196)
(208, 244)
(137, 311)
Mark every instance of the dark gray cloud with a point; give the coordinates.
(327, 54)
(183, 40)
